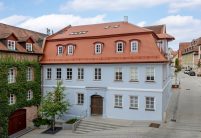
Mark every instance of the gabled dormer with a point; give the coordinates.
(9, 40)
(27, 43)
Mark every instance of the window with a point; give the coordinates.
(69, 73)
(150, 73)
(80, 98)
(29, 95)
(70, 49)
(133, 102)
(80, 73)
(11, 75)
(119, 47)
(134, 46)
(97, 75)
(29, 74)
(134, 74)
(11, 45)
(118, 101)
(49, 73)
(118, 74)
(98, 48)
(12, 99)
(29, 47)
(60, 50)
(150, 104)
(58, 74)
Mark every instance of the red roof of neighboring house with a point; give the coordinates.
(22, 35)
(108, 34)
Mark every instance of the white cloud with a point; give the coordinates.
(52, 21)
(183, 28)
(184, 4)
(108, 5)
(141, 24)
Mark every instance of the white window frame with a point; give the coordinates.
(12, 99)
(80, 73)
(118, 101)
(150, 74)
(11, 75)
(80, 98)
(118, 48)
(97, 74)
(98, 48)
(29, 95)
(134, 46)
(150, 105)
(29, 74)
(134, 102)
(70, 49)
(134, 74)
(58, 73)
(11, 44)
(118, 74)
(60, 50)
(69, 73)
(49, 73)
(29, 47)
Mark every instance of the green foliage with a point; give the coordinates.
(199, 64)
(54, 104)
(19, 88)
(177, 66)
(40, 121)
(71, 121)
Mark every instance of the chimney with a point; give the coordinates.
(125, 19)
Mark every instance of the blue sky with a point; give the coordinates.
(182, 17)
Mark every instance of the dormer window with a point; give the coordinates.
(98, 48)
(119, 47)
(29, 47)
(70, 49)
(134, 46)
(11, 45)
(60, 50)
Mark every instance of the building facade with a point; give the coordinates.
(20, 90)
(115, 70)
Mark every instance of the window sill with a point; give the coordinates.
(97, 80)
(118, 107)
(150, 81)
(118, 80)
(133, 81)
(149, 109)
(68, 79)
(80, 104)
(80, 79)
(48, 79)
(133, 108)
(58, 79)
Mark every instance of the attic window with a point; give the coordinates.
(78, 33)
(11, 45)
(29, 47)
(106, 27)
(116, 26)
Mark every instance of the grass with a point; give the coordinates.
(71, 121)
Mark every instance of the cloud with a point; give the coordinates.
(141, 24)
(108, 5)
(184, 4)
(183, 28)
(52, 21)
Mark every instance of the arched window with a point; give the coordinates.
(60, 50)
(119, 47)
(70, 49)
(98, 48)
(29, 95)
(134, 46)
(12, 99)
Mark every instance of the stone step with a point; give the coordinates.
(96, 126)
(100, 123)
(21, 133)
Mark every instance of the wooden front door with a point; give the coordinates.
(96, 105)
(17, 121)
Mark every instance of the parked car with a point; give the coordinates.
(191, 73)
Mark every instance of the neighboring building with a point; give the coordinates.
(116, 70)
(174, 57)
(19, 94)
(190, 55)
(182, 46)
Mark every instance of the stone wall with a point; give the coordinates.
(31, 113)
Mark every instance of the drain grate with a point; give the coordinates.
(173, 120)
(155, 125)
(188, 89)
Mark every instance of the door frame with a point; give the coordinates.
(96, 95)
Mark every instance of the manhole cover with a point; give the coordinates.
(188, 89)
(155, 125)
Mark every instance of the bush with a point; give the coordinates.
(40, 121)
(71, 121)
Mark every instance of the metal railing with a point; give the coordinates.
(83, 115)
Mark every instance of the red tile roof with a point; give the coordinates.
(84, 45)
(22, 35)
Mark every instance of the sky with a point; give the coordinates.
(182, 17)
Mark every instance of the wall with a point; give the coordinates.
(31, 113)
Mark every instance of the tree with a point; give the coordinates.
(54, 104)
(177, 66)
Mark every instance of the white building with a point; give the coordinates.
(116, 70)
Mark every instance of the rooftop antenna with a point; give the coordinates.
(125, 19)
